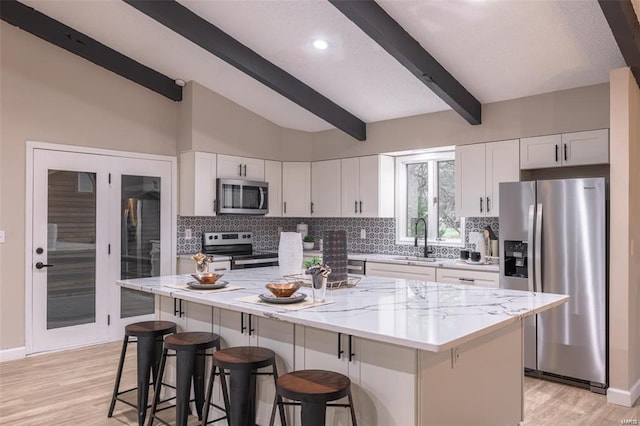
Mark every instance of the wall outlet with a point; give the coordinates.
(187, 234)
(363, 234)
(1, 236)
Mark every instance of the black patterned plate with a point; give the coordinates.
(270, 298)
(197, 286)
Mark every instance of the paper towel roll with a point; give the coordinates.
(290, 253)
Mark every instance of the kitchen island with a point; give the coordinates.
(417, 352)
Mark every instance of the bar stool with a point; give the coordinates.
(314, 389)
(243, 363)
(190, 353)
(149, 336)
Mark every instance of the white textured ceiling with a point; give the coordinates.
(497, 49)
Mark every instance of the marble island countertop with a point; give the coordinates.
(417, 314)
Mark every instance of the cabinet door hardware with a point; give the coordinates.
(360, 206)
(556, 153)
(175, 307)
(41, 265)
(181, 311)
(469, 280)
(242, 326)
(285, 207)
(565, 152)
(240, 170)
(244, 167)
(487, 204)
(312, 207)
(355, 204)
(251, 329)
(351, 353)
(481, 201)
(340, 350)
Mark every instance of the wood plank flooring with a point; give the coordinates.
(74, 388)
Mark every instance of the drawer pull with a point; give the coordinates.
(469, 280)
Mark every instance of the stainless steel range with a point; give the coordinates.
(239, 246)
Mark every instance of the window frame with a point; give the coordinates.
(445, 154)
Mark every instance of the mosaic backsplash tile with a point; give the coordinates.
(381, 232)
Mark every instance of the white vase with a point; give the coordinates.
(290, 253)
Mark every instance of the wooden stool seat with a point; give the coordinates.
(191, 341)
(313, 390)
(313, 385)
(150, 328)
(244, 358)
(148, 336)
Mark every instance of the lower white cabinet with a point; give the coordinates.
(464, 276)
(241, 329)
(371, 366)
(188, 316)
(394, 270)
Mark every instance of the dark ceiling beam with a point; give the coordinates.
(384, 30)
(48, 29)
(209, 37)
(624, 25)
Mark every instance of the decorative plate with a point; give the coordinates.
(197, 286)
(270, 298)
(473, 262)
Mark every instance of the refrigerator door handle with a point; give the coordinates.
(531, 260)
(538, 248)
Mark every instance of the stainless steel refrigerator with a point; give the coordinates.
(553, 238)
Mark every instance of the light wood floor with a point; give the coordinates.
(74, 388)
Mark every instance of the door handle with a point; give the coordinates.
(41, 265)
(565, 152)
(244, 167)
(285, 207)
(538, 249)
(487, 204)
(242, 326)
(556, 153)
(530, 244)
(240, 170)
(360, 206)
(340, 350)
(481, 201)
(355, 205)
(312, 207)
(251, 329)
(351, 353)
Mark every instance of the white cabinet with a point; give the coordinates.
(325, 188)
(480, 168)
(567, 149)
(465, 276)
(296, 189)
(186, 265)
(197, 184)
(230, 166)
(371, 366)
(395, 270)
(188, 316)
(273, 176)
(240, 329)
(368, 186)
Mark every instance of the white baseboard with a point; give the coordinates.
(12, 354)
(623, 397)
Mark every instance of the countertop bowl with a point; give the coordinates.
(207, 277)
(283, 289)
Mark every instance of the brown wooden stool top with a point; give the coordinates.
(192, 341)
(150, 328)
(313, 385)
(244, 358)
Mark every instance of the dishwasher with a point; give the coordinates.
(356, 267)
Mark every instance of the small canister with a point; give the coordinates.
(464, 254)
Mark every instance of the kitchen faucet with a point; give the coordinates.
(427, 250)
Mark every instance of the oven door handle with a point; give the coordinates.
(255, 261)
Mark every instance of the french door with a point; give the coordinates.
(95, 218)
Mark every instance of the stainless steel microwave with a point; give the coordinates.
(237, 196)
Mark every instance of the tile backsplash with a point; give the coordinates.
(380, 232)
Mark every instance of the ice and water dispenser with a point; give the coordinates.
(515, 259)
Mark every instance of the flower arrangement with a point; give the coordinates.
(202, 262)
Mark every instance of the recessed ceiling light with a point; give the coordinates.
(320, 44)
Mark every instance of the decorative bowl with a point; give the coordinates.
(283, 289)
(207, 277)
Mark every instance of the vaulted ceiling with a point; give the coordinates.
(497, 50)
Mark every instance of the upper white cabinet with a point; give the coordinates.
(325, 188)
(479, 170)
(367, 186)
(197, 184)
(296, 189)
(567, 149)
(273, 175)
(230, 166)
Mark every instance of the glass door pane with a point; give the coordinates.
(71, 245)
(140, 240)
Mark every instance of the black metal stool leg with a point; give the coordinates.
(242, 409)
(157, 355)
(158, 386)
(313, 414)
(184, 372)
(146, 355)
(207, 399)
(198, 381)
(283, 421)
(353, 411)
(116, 387)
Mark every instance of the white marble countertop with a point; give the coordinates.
(417, 314)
